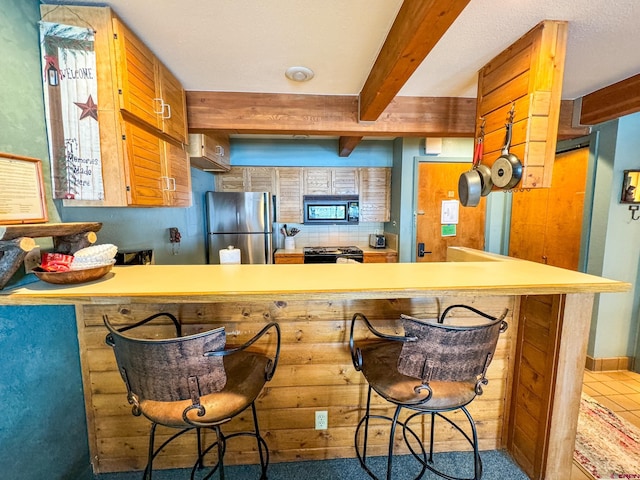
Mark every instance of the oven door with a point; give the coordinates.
(320, 258)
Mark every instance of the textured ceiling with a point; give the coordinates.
(246, 45)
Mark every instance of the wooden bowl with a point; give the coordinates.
(75, 276)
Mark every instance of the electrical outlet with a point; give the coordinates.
(32, 260)
(322, 420)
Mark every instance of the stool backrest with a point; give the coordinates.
(448, 352)
(170, 369)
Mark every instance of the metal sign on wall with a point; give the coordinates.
(71, 108)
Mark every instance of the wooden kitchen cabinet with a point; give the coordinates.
(330, 181)
(380, 256)
(231, 181)
(142, 154)
(247, 179)
(375, 194)
(289, 191)
(260, 179)
(158, 170)
(178, 176)
(290, 184)
(210, 153)
(282, 256)
(148, 91)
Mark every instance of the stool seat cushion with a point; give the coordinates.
(380, 368)
(245, 373)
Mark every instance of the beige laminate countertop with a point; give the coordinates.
(206, 283)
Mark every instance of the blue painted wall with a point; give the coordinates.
(43, 431)
(144, 228)
(309, 153)
(614, 249)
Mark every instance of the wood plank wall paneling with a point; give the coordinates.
(315, 372)
(528, 76)
(535, 363)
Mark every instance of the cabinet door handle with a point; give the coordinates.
(158, 107)
(220, 150)
(168, 184)
(168, 109)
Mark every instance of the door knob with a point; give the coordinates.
(421, 250)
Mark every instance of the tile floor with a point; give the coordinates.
(620, 392)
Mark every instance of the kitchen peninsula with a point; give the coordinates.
(530, 406)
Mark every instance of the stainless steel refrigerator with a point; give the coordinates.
(243, 220)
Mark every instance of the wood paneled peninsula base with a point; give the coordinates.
(529, 408)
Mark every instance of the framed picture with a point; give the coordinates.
(630, 187)
(22, 198)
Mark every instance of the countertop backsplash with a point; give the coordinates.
(328, 235)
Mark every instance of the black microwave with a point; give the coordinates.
(331, 209)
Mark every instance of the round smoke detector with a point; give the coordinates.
(299, 74)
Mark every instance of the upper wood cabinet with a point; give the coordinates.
(148, 91)
(330, 181)
(231, 181)
(157, 170)
(141, 112)
(289, 193)
(178, 176)
(290, 184)
(211, 153)
(247, 179)
(260, 179)
(375, 194)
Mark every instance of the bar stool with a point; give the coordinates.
(432, 369)
(193, 382)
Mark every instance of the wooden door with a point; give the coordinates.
(438, 182)
(546, 223)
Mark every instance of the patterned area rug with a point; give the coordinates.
(607, 446)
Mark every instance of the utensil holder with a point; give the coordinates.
(289, 243)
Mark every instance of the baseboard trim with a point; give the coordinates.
(608, 364)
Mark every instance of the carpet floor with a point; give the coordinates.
(497, 465)
(607, 446)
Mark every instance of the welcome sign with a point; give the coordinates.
(71, 107)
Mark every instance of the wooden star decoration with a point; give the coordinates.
(89, 109)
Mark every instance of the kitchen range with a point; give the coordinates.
(331, 254)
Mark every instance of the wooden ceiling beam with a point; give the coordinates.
(567, 128)
(287, 114)
(347, 144)
(417, 28)
(281, 114)
(616, 100)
